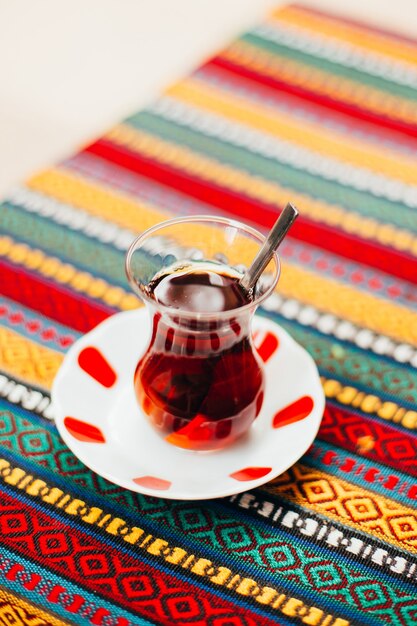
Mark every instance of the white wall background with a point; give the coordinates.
(71, 68)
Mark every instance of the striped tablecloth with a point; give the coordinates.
(308, 108)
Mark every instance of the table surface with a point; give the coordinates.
(306, 107)
(69, 71)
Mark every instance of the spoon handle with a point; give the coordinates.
(271, 243)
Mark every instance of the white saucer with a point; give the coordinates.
(103, 426)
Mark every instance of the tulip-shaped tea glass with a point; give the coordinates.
(200, 382)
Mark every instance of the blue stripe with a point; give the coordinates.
(97, 169)
(36, 419)
(50, 579)
(313, 460)
(32, 316)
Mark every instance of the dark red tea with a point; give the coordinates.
(200, 382)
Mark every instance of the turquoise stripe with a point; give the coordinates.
(337, 70)
(69, 245)
(272, 170)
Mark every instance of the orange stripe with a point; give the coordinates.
(327, 84)
(18, 612)
(363, 38)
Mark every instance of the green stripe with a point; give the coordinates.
(336, 69)
(272, 170)
(301, 114)
(70, 246)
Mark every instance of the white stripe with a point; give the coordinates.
(258, 142)
(344, 330)
(94, 227)
(206, 77)
(71, 217)
(319, 531)
(340, 52)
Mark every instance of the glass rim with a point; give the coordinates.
(200, 315)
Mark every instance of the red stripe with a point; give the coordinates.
(54, 301)
(357, 24)
(317, 97)
(360, 250)
(372, 439)
(261, 214)
(293, 101)
(111, 573)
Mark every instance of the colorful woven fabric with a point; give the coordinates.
(308, 108)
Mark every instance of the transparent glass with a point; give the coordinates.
(200, 382)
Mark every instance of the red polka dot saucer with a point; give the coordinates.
(98, 417)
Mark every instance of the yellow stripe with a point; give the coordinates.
(100, 200)
(112, 206)
(17, 612)
(66, 274)
(27, 360)
(346, 302)
(104, 202)
(302, 132)
(253, 186)
(168, 553)
(355, 35)
(369, 403)
(331, 85)
(348, 504)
